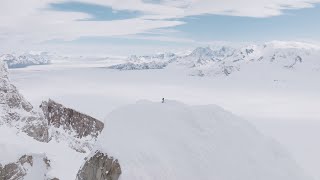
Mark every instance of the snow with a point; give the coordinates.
(38, 170)
(26, 59)
(226, 60)
(64, 161)
(171, 140)
(14, 143)
(140, 66)
(158, 61)
(281, 102)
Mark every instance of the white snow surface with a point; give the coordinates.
(64, 161)
(171, 140)
(14, 143)
(282, 102)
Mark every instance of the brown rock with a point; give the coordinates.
(60, 116)
(100, 167)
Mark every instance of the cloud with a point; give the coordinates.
(30, 22)
(249, 8)
(182, 8)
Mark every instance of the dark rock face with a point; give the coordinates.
(100, 167)
(71, 120)
(38, 128)
(80, 131)
(19, 169)
(54, 122)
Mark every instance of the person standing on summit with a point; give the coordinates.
(162, 100)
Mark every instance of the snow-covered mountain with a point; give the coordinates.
(26, 59)
(41, 144)
(158, 61)
(17, 112)
(224, 60)
(162, 57)
(146, 140)
(171, 140)
(52, 121)
(79, 130)
(286, 55)
(139, 66)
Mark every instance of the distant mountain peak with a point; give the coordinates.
(225, 60)
(202, 51)
(25, 59)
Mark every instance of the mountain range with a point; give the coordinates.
(225, 60)
(149, 140)
(26, 59)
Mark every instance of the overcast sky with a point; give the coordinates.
(136, 26)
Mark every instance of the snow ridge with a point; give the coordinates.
(171, 140)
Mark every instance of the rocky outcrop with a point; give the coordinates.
(100, 167)
(17, 112)
(78, 129)
(54, 122)
(70, 120)
(18, 170)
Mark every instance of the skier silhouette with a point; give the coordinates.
(162, 100)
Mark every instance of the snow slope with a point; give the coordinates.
(57, 134)
(171, 140)
(64, 161)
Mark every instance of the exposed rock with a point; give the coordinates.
(55, 122)
(139, 66)
(100, 167)
(18, 112)
(298, 59)
(78, 129)
(158, 61)
(18, 170)
(71, 120)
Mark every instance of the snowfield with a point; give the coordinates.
(281, 102)
(171, 140)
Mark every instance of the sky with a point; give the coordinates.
(137, 26)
